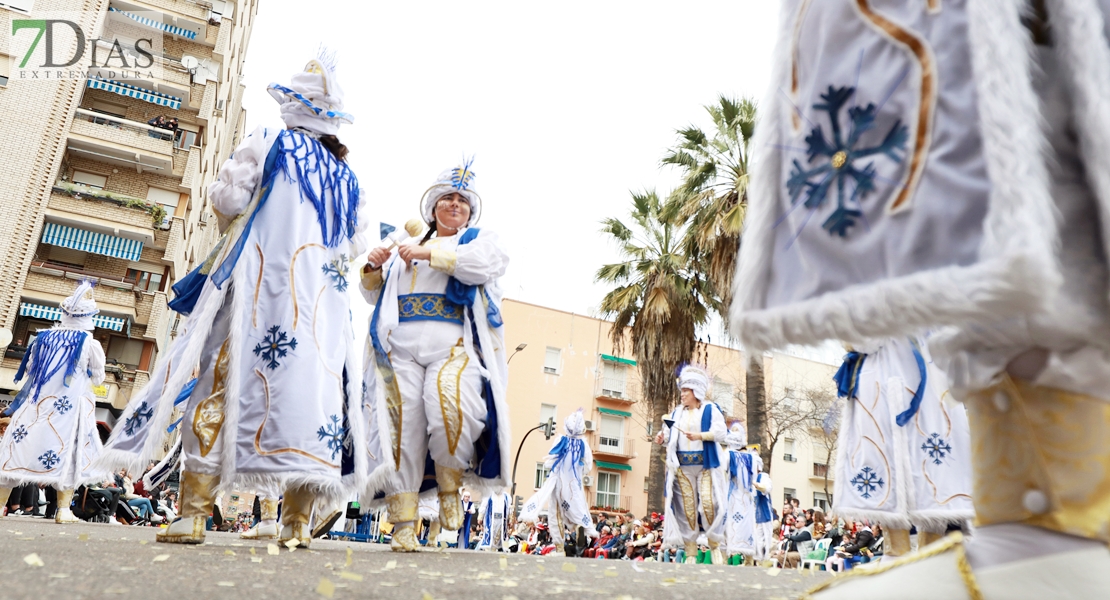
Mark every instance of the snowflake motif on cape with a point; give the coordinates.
(19, 433)
(565, 505)
(62, 405)
(49, 459)
(738, 517)
(867, 481)
(135, 421)
(275, 345)
(334, 434)
(838, 161)
(337, 269)
(531, 507)
(937, 448)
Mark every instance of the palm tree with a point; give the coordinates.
(712, 201)
(657, 303)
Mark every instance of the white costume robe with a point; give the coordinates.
(696, 495)
(916, 474)
(562, 493)
(52, 438)
(277, 399)
(740, 520)
(764, 512)
(495, 521)
(431, 367)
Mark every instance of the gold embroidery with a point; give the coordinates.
(269, 508)
(402, 507)
(444, 260)
(924, 472)
(926, 103)
(208, 418)
(449, 384)
(393, 404)
(689, 502)
(873, 419)
(38, 409)
(1048, 440)
(257, 285)
(293, 284)
(266, 417)
(705, 495)
(797, 122)
(427, 307)
(933, 6)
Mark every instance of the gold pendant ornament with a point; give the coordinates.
(209, 416)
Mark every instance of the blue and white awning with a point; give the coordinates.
(88, 241)
(138, 93)
(54, 313)
(192, 35)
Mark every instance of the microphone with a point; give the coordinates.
(413, 228)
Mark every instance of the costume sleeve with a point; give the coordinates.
(96, 360)
(239, 178)
(371, 283)
(360, 242)
(480, 262)
(717, 429)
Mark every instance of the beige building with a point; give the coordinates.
(89, 189)
(569, 363)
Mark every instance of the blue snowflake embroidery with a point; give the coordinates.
(19, 433)
(565, 505)
(49, 459)
(62, 405)
(334, 434)
(738, 517)
(867, 481)
(937, 448)
(135, 421)
(840, 160)
(337, 269)
(275, 346)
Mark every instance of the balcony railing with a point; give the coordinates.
(47, 267)
(121, 208)
(615, 389)
(622, 447)
(611, 503)
(121, 131)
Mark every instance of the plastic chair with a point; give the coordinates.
(816, 556)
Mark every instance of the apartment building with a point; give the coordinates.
(91, 189)
(568, 362)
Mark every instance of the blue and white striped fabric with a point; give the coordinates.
(87, 241)
(192, 35)
(54, 313)
(138, 93)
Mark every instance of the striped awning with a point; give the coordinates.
(87, 241)
(138, 93)
(54, 313)
(192, 35)
(615, 413)
(612, 466)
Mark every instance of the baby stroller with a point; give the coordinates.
(91, 506)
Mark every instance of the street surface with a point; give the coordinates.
(88, 560)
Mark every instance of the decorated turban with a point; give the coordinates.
(575, 424)
(79, 309)
(694, 379)
(457, 180)
(313, 99)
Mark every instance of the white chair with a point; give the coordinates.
(822, 550)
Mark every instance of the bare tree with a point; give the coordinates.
(823, 428)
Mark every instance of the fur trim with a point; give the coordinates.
(1016, 272)
(113, 460)
(234, 383)
(886, 519)
(937, 521)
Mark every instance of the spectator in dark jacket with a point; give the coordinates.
(847, 552)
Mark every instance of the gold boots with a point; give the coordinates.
(715, 554)
(267, 528)
(63, 513)
(450, 506)
(924, 538)
(402, 513)
(691, 553)
(4, 493)
(197, 493)
(898, 542)
(295, 516)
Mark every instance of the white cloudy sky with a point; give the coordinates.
(567, 107)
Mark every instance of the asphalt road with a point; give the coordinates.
(98, 561)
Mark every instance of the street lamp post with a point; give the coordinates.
(518, 349)
(517, 459)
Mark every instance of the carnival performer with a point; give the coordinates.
(428, 510)
(697, 481)
(764, 511)
(267, 526)
(496, 511)
(562, 493)
(740, 518)
(277, 403)
(440, 359)
(470, 510)
(903, 454)
(941, 166)
(52, 437)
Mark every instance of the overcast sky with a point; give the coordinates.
(566, 106)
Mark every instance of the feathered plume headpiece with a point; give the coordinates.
(457, 180)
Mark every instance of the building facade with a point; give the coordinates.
(569, 362)
(92, 188)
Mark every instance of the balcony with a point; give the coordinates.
(611, 503)
(173, 240)
(613, 389)
(121, 142)
(115, 213)
(186, 165)
(181, 14)
(623, 448)
(820, 470)
(151, 310)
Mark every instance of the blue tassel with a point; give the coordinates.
(847, 377)
(919, 394)
(54, 350)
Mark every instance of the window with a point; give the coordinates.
(609, 433)
(548, 411)
(722, 394)
(186, 137)
(541, 474)
(147, 281)
(788, 493)
(820, 469)
(788, 450)
(5, 69)
(609, 489)
(125, 352)
(66, 256)
(551, 361)
(90, 179)
(168, 199)
(612, 380)
(821, 500)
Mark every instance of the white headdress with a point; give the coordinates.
(575, 424)
(694, 379)
(79, 309)
(313, 99)
(737, 437)
(458, 180)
